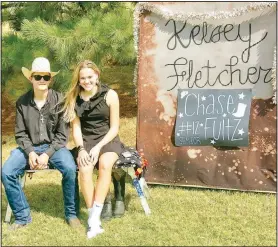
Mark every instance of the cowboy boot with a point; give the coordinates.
(119, 190)
(106, 213)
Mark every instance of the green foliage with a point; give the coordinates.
(66, 33)
(101, 37)
(120, 35)
(53, 12)
(18, 52)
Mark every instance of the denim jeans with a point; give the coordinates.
(15, 166)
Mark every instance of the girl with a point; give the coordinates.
(93, 110)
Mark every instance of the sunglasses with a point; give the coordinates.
(39, 77)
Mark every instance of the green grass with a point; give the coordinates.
(180, 216)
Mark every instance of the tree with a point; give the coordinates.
(66, 33)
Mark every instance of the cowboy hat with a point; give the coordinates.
(40, 64)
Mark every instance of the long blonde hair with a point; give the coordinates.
(74, 90)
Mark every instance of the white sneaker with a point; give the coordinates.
(94, 230)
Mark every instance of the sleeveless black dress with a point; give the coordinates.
(95, 122)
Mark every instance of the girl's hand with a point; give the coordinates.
(94, 154)
(83, 158)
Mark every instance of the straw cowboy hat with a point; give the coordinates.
(40, 64)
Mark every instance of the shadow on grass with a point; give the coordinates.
(205, 189)
(47, 198)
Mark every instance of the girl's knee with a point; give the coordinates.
(86, 173)
(107, 161)
(86, 169)
(105, 167)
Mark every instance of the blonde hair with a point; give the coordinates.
(74, 90)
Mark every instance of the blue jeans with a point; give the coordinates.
(15, 166)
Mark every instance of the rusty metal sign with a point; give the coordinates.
(207, 46)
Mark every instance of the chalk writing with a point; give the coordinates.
(185, 74)
(218, 32)
(213, 117)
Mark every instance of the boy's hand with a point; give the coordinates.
(43, 161)
(33, 160)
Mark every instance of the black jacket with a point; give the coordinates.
(44, 126)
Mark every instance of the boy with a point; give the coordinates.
(41, 135)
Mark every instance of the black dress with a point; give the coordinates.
(95, 122)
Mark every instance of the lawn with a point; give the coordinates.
(180, 216)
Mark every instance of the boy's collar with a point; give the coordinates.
(47, 98)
